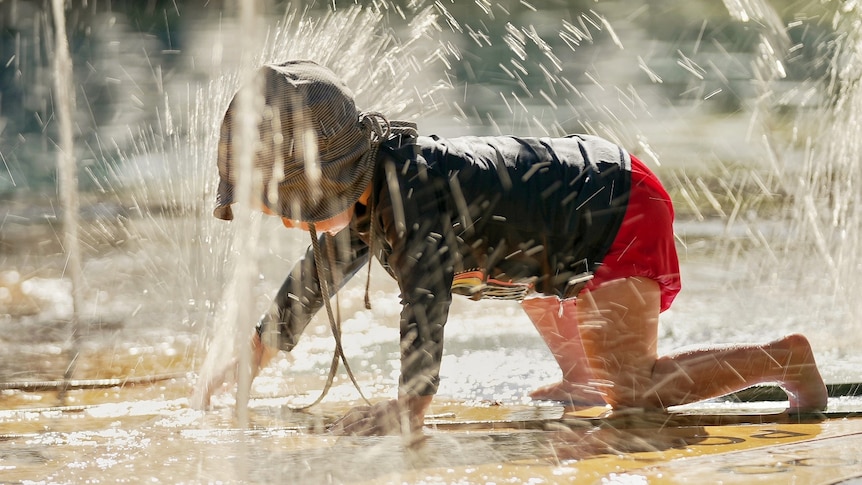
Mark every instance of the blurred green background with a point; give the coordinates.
(661, 54)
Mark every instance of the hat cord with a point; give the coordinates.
(377, 124)
(334, 323)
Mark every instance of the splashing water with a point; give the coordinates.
(828, 228)
(189, 259)
(544, 92)
(350, 42)
(68, 173)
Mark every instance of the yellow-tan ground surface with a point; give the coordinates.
(147, 433)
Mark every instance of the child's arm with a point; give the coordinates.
(296, 303)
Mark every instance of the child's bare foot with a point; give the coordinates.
(807, 392)
(812, 398)
(570, 393)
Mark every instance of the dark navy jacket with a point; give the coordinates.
(543, 210)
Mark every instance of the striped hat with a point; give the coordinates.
(313, 148)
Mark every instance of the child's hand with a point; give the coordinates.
(203, 391)
(383, 418)
(226, 376)
(395, 417)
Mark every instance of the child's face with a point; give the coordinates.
(333, 225)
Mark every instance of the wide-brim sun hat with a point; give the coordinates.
(311, 153)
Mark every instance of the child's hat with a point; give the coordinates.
(312, 148)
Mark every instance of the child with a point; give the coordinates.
(576, 228)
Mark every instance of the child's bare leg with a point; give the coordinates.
(557, 324)
(787, 361)
(619, 328)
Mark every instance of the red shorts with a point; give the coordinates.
(644, 245)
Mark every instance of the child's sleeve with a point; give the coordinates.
(299, 297)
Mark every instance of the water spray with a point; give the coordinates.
(829, 222)
(68, 187)
(385, 71)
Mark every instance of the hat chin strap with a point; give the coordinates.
(324, 277)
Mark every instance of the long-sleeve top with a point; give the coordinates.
(537, 210)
